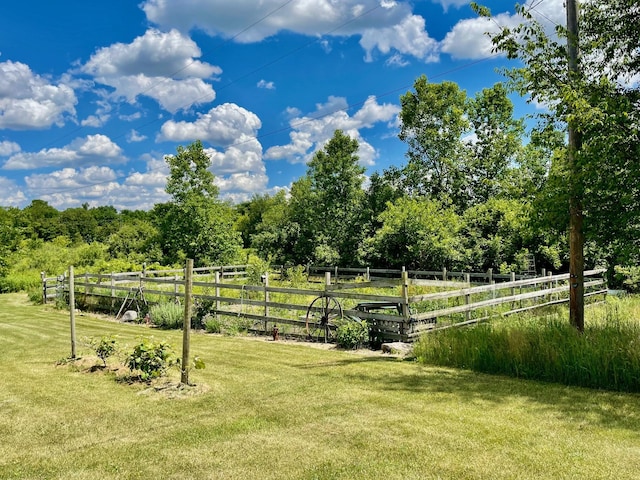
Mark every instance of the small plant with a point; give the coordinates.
(151, 359)
(212, 325)
(167, 315)
(352, 334)
(104, 347)
(296, 275)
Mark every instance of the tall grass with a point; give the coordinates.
(606, 355)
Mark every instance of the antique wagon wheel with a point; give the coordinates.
(321, 315)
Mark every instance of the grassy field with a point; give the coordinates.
(271, 410)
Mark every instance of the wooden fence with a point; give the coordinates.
(262, 307)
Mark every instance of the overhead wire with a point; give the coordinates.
(290, 127)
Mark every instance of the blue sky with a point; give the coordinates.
(94, 94)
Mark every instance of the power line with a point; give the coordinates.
(291, 127)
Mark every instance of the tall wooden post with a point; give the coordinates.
(43, 276)
(406, 316)
(217, 280)
(266, 300)
(72, 311)
(186, 324)
(576, 234)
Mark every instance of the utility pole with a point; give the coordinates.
(576, 234)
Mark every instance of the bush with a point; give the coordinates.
(352, 334)
(104, 347)
(227, 325)
(627, 277)
(256, 267)
(212, 325)
(151, 359)
(167, 315)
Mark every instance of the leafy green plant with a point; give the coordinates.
(104, 347)
(167, 315)
(352, 334)
(256, 267)
(627, 277)
(151, 359)
(212, 325)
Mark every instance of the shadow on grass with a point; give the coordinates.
(581, 406)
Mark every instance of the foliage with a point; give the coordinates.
(256, 268)
(104, 347)
(327, 203)
(418, 234)
(433, 122)
(600, 100)
(227, 325)
(628, 278)
(605, 356)
(296, 276)
(151, 359)
(352, 334)
(195, 224)
(167, 315)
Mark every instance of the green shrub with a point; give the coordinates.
(104, 347)
(151, 359)
(296, 276)
(227, 325)
(202, 311)
(256, 267)
(352, 334)
(212, 325)
(627, 278)
(20, 281)
(167, 315)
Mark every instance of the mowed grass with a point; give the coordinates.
(271, 410)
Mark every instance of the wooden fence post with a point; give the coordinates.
(72, 311)
(217, 280)
(467, 301)
(266, 301)
(327, 280)
(490, 276)
(186, 323)
(113, 292)
(368, 275)
(444, 274)
(43, 276)
(406, 314)
(176, 288)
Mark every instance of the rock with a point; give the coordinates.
(398, 348)
(129, 316)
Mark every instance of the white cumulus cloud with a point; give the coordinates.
(310, 133)
(160, 65)
(383, 24)
(223, 125)
(82, 151)
(30, 101)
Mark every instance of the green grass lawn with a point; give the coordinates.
(264, 409)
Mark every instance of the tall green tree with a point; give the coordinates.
(418, 233)
(195, 224)
(587, 93)
(496, 144)
(433, 118)
(328, 203)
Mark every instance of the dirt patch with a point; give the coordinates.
(175, 390)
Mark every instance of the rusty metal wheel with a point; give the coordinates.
(322, 313)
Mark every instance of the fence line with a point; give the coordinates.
(413, 315)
